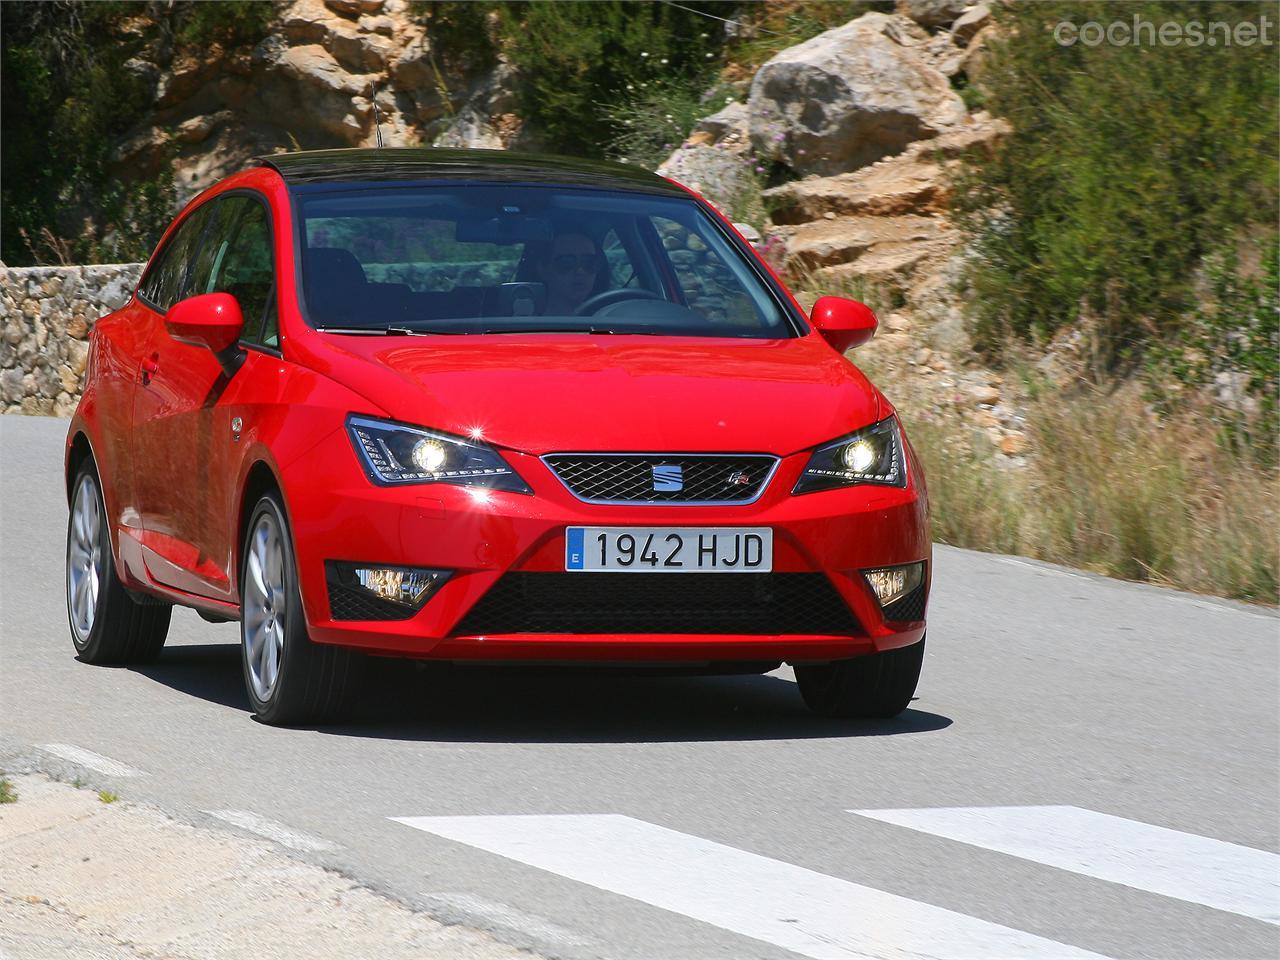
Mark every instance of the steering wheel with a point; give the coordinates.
(607, 298)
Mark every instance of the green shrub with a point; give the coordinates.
(575, 57)
(1127, 166)
(228, 22)
(1230, 345)
(652, 118)
(769, 28)
(459, 31)
(70, 97)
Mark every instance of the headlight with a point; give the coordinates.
(393, 453)
(872, 455)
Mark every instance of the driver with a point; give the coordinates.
(572, 270)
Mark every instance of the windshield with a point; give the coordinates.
(510, 259)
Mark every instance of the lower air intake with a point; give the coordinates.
(907, 608)
(709, 603)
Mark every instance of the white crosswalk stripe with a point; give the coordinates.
(809, 913)
(1226, 876)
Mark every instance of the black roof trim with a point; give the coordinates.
(489, 166)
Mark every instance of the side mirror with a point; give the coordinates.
(843, 323)
(213, 321)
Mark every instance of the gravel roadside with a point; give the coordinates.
(84, 878)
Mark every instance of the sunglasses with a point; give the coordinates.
(567, 263)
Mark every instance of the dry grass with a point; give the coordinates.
(1109, 487)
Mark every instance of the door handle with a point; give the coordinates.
(149, 369)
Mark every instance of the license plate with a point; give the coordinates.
(669, 549)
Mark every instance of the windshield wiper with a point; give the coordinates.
(426, 332)
(389, 331)
(599, 331)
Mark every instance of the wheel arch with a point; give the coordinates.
(78, 451)
(259, 481)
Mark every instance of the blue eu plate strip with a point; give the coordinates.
(573, 550)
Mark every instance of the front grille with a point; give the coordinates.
(630, 477)
(612, 603)
(906, 608)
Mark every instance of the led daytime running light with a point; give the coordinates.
(395, 453)
(873, 455)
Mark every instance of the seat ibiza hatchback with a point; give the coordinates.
(477, 406)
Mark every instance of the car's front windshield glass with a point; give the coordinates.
(480, 259)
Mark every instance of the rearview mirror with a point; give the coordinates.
(843, 323)
(213, 321)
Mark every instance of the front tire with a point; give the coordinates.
(108, 626)
(289, 679)
(879, 685)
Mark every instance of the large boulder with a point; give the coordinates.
(850, 96)
(723, 176)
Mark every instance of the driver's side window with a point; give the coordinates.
(166, 282)
(236, 259)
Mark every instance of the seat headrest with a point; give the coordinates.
(334, 267)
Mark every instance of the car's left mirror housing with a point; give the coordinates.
(210, 320)
(843, 323)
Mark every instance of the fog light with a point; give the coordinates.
(401, 584)
(406, 587)
(894, 583)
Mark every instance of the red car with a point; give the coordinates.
(482, 406)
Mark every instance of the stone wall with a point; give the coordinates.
(46, 314)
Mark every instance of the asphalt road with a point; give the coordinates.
(1136, 730)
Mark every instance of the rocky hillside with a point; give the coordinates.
(311, 83)
(867, 118)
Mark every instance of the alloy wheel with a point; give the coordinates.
(265, 607)
(84, 559)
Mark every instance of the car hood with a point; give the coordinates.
(540, 393)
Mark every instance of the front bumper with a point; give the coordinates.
(337, 514)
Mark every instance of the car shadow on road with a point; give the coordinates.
(400, 700)
(210, 671)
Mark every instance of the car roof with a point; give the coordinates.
(374, 165)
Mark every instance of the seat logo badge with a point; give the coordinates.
(740, 478)
(667, 477)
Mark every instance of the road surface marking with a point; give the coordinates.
(271, 830)
(779, 903)
(1225, 876)
(508, 917)
(1052, 571)
(90, 760)
(1220, 608)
